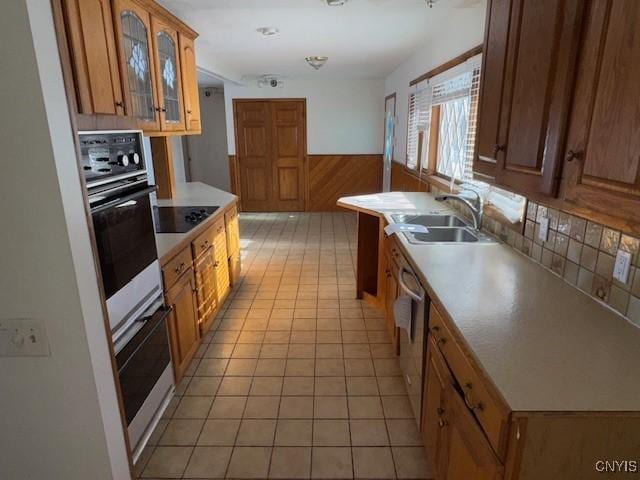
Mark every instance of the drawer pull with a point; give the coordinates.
(179, 268)
(434, 332)
(441, 422)
(467, 397)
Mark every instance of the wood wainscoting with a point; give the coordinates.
(403, 180)
(330, 177)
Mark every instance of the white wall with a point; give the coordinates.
(344, 116)
(209, 152)
(59, 413)
(463, 30)
(178, 158)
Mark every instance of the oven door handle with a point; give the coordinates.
(417, 297)
(126, 198)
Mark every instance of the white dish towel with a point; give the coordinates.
(402, 313)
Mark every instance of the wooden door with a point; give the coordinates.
(602, 157)
(271, 150)
(253, 148)
(289, 151)
(434, 416)
(206, 290)
(183, 322)
(541, 56)
(168, 81)
(491, 86)
(133, 33)
(469, 455)
(189, 84)
(94, 58)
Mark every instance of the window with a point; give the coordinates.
(418, 125)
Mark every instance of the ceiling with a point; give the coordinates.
(364, 38)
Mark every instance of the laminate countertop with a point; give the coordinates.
(186, 195)
(545, 345)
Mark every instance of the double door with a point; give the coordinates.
(271, 149)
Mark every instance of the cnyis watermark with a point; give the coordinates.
(618, 466)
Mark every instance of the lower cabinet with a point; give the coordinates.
(206, 290)
(183, 322)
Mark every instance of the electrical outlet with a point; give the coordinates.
(23, 337)
(622, 266)
(543, 233)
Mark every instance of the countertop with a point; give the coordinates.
(186, 195)
(545, 345)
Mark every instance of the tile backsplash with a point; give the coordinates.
(582, 252)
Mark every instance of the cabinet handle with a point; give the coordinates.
(120, 104)
(434, 332)
(441, 421)
(467, 397)
(216, 265)
(189, 112)
(498, 148)
(163, 109)
(573, 155)
(179, 268)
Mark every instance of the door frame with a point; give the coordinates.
(305, 160)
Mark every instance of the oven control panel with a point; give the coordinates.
(110, 155)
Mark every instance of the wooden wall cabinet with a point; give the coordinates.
(189, 84)
(602, 156)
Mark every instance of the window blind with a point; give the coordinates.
(419, 119)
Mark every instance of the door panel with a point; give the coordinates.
(271, 150)
(189, 84)
(602, 158)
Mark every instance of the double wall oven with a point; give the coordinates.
(119, 196)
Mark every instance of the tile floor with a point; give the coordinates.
(297, 379)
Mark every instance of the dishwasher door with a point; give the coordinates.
(412, 345)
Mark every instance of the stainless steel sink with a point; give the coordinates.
(430, 220)
(448, 235)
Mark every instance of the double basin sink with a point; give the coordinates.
(441, 229)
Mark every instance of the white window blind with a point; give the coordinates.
(419, 119)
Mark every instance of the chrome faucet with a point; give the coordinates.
(476, 206)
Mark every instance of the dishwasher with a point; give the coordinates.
(412, 343)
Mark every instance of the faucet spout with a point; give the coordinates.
(476, 207)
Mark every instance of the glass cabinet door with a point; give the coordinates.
(135, 47)
(168, 75)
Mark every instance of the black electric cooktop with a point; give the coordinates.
(179, 219)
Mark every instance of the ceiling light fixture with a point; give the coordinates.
(316, 61)
(268, 31)
(336, 3)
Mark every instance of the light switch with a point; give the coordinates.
(23, 337)
(622, 266)
(543, 233)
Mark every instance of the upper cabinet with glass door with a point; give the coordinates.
(168, 81)
(133, 28)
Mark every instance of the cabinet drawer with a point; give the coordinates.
(490, 412)
(203, 241)
(176, 267)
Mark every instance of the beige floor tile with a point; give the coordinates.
(274, 351)
(225, 336)
(241, 367)
(251, 337)
(301, 350)
(270, 367)
(297, 386)
(256, 324)
(362, 386)
(305, 312)
(246, 350)
(220, 350)
(249, 462)
(293, 433)
(296, 407)
(369, 433)
(211, 367)
(256, 433)
(411, 462)
(329, 367)
(331, 433)
(331, 463)
(358, 367)
(330, 407)
(266, 386)
(304, 324)
(193, 407)
(329, 336)
(403, 432)
(290, 462)
(227, 407)
(276, 337)
(262, 407)
(355, 336)
(378, 337)
(330, 386)
(328, 324)
(208, 462)
(365, 407)
(300, 367)
(204, 386)
(386, 367)
(391, 386)
(276, 324)
(219, 432)
(181, 432)
(373, 462)
(397, 407)
(301, 336)
(234, 386)
(167, 462)
(332, 313)
(357, 350)
(329, 350)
